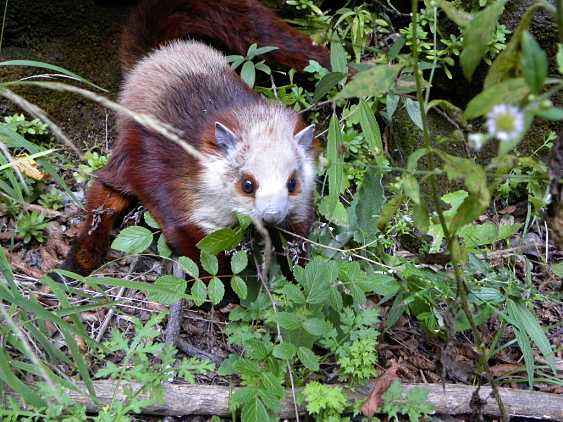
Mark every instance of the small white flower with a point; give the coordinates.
(505, 122)
(477, 140)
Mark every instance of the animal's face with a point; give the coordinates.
(266, 171)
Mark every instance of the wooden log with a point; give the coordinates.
(197, 399)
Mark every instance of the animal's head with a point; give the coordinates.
(263, 166)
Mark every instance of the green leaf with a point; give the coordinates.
(255, 411)
(325, 85)
(413, 110)
(508, 92)
(216, 290)
(336, 165)
(332, 209)
(316, 326)
(338, 58)
(51, 67)
(370, 128)
(239, 287)
(220, 240)
(8, 377)
(287, 320)
(284, 351)
(150, 221)
(557, 269)
(162, 247)
(308, 358)
(391, 103)
(239, 261)
(368, 204)
(526, 348)
(383, 284)
(293, 293)
(560, 58)
(133, 240)
(168, 284)
(199, 292)
(459, 16)
(552, 113)
(209, 263)
(248, 73)
(487, 233)
(189, 266)
(477, 35)
(376, 81)
(264, 50)
(533, 62)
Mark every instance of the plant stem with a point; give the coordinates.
(451, 238)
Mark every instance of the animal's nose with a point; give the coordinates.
(273, 216)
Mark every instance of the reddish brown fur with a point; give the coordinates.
(146, 168)
(229, 25)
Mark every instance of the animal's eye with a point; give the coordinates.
(291, 184)
(248, 186)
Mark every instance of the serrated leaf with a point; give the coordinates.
(293, 293)
(370, 128)
(216, 290)
(248, 73)
(308, 358)
(508, 92)
(239, 287)
(383, 284)
(325, 85)
(288, 320)
(133, 240)
(477, 35)
(199, 292)
(162, 247)
(239, 261)
(220, 240)
(150, 221)
(254, 411)
(459, 16)
(173, 290)
(338, 58)
(189, 266)
(332, 209)
(413, 110)
(376, 82)
(315, 326)
(209, 262)
(284, 350)
(533, 62)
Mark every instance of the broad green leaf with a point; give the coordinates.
(264, 50)
(248, 73)
(413, 110)
(255, 411)
(533, 62)
(506, 62)
(150, 221)
(239, 261)
(526, 348)
(209, 263)
(552, 113)
(308, 358)
(51, 67)
(239, 287)
(288, 320)
(162, 247)
(189, 266)
(368, 204)
(477, 35)
(411, 188)
(293, 293)
(199, 292)
(315, 326)
(370, 128)
(487, 233)
(284, 350)
(220, 240)
(389, 210)
(216, 290)
(333, 210)
(376, 81)
(391, 103)
(507, 92)
(169, 284)
(149, 288)
(338, 58)
(325, 85)
(459, 16)
(383, 284)
(557, 269)
(133, 240)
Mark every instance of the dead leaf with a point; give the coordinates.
(508, 210)
(504, 368)
(375, 398)
(29, 167)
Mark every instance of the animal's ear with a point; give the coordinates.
(224, 136)
(305, 136)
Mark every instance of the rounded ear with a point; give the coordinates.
(305, 136)
(224, 137)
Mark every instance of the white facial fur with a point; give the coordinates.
(267, 149)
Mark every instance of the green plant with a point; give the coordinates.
(18, 123)
(52, 199)
(412, 404)
(94, 162)
(249, 68)
(324, 402)
(31, 226)
(357, 360)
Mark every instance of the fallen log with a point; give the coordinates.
(198, 399)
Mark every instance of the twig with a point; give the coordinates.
(172, 332)
(191, 350)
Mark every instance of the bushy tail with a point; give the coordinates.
(229, 25)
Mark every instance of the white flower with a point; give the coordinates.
(505, 122)
(477, 140)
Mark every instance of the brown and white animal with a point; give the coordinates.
(259, 157)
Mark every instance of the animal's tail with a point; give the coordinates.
(229, 25)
